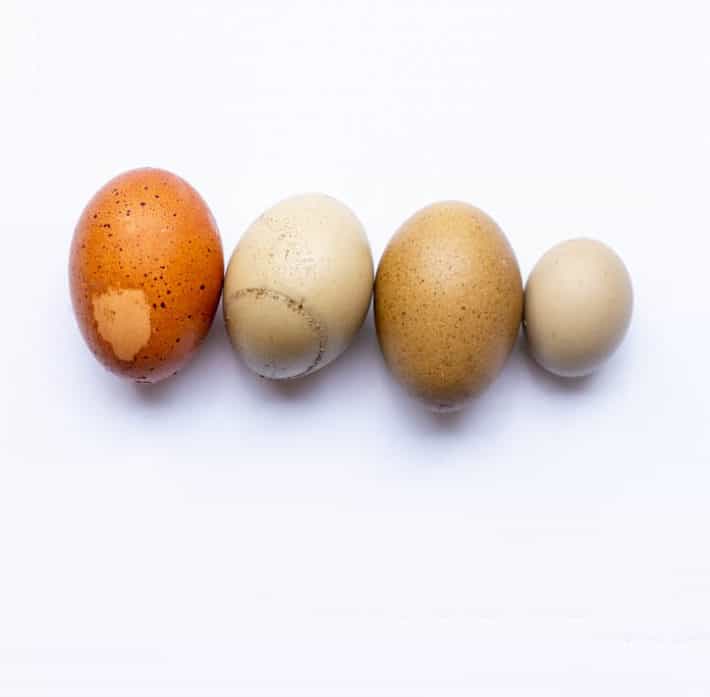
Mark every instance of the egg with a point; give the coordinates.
(298, 286)
(578, 305)
(145, 273)
(448, 303)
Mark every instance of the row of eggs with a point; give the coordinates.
(146, 274)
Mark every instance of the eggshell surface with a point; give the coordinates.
(298, 286)
(145, 273)
(578, 306)
(448, 303)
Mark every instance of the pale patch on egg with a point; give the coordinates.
(123, 320)
(282, 338)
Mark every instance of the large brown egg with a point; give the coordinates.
(145, 273)
(448, 303)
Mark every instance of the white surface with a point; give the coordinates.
(218, 535)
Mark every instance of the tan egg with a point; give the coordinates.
(448, 303)
(578, 304)
(145, 273)
(298, 286)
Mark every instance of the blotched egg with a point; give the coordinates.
(298, 286)
(145, 273)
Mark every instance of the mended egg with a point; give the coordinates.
(448, 303)
(298, 286)
(145, 273)
(578, 304)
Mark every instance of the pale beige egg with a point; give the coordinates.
(578, 305)
(298, 286)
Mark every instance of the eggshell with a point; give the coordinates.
(145, 273)
(578, 305)
(448, 303)
(298, 286)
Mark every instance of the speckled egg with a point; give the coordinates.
(298, 286)
(145, 273)
(448, 303)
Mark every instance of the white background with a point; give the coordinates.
(220, 535)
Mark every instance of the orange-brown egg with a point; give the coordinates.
(145, 273)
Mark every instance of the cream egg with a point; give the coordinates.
(578, 304)
(298, 286)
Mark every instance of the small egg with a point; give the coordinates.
(298, 286)
(145, 273)
(448, 303)
(578, 304)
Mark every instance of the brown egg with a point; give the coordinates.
(145, 273)
(448, 303)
